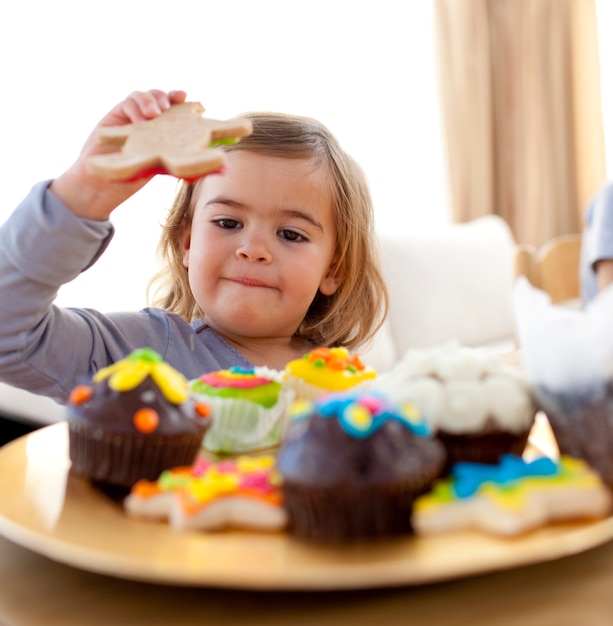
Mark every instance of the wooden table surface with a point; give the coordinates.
(576, 590)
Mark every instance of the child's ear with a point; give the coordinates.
(186, 239)
(329, 283)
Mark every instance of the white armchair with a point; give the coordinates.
(452, 283)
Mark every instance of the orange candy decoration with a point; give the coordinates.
(335, 359)
(80, 394)
(146, 420)
(202, 409)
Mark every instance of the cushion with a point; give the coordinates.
(450, 284)
(381, 352)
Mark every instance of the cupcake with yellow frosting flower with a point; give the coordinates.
(326, 370)
(133, 421)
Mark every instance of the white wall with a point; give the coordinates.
(367, 70)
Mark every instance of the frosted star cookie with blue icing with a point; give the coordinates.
(511, 497)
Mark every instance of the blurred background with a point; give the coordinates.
(454, 108)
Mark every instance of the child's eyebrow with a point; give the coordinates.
(304, 216)
(288, 212)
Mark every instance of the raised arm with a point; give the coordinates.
(95, 198)
(58, 231)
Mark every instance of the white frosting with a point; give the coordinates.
(461, 365)
(466, 407)
(457, 389)
(426, 393)
(508, 400)
(264, 371)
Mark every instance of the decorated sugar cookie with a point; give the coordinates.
(236, 493)
(511, 497)
(178, 142)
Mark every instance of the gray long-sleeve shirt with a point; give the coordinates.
(47, 349)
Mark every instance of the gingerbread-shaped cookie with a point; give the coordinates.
(177, 142)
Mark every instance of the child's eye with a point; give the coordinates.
(228, 223)
(291, 235)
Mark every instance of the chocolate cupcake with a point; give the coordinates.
(134, 421)
(352, 464)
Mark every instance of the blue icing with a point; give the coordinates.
(469, 477)
(237, 369)
(361, 414)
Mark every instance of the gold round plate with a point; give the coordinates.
(49, 510)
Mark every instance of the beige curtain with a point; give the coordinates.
(520, 83)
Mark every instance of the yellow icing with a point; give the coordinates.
(130, 372)
(248, 464)
(513, 496)
(335, 369)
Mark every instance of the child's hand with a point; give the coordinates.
(93, 197)
(142, 105)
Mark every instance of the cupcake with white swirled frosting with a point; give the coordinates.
(478, 406)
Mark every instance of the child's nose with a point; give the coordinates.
(255, 249)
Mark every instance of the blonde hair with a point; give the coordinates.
(350, 316)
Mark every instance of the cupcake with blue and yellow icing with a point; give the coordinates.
(325, 370)
(352, 463)
(249, 408)
(134, 420)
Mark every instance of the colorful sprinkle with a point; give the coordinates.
(330, 368)
(236, 377)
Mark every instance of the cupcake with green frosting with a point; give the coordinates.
(249, 408)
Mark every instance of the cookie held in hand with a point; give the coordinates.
(177, 142)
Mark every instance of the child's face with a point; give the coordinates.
(261, 243)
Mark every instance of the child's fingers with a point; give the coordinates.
(142, 105)
(154, 101)
(177, 96)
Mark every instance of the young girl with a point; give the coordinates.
(265, 261)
